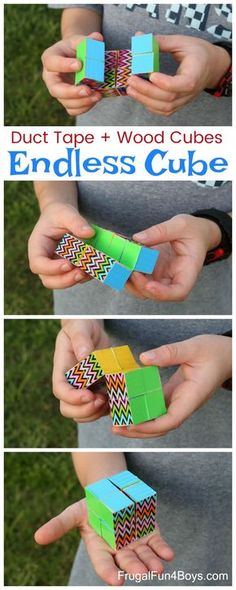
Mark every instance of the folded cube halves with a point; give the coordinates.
(121, 508)
(108, 71)
(135, 393)
(107, 257)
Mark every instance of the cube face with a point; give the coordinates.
(70, 248)
(147, 260)
(95, 263)
(92, 55)
(143, 43)
(125, 358)
(116, 247)
(130, 255)
(117, 277)
(145, 54)
(111, 513)
(108, 361)
(135, 382)
(102, 239)
(146, 516)
(121, 508)
(124, 479)
(85, 373)
(139, 409)
(143, 63)
(94, 70)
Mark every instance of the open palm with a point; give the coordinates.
(137, 558)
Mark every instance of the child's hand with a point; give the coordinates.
(59, 67)
(205, 362)
(183, 242)
(76, 340)
(201, 65)
(56, 220)
(137, 558)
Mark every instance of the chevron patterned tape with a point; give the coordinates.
(85, 373)
(145, 516)
(95, 263)
(118, 399)
(123, 68)
(124, 527)
(70, 248)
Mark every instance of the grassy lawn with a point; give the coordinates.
(32, 417)
(24, 293)
(29, 30)
(37, 487)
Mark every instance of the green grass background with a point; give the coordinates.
(29, 30)
(24, 292)
(37, 487)
(32, 417)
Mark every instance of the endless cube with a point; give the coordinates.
(135, 393)
(92, 261)
(107, 257)
(121, 508)
(108, 71)
(92, 55)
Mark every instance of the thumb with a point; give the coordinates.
(168, 355)
(78, 38)
(70, 219)
(169, 230)
(71, 518)
(82, 341)
(97, 36)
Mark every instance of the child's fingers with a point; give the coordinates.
(71, 518)
(160, 547)
(71, 278)
(149, 558)
(128, 561)
(150, 103)
(172, 354)
(80, 103)
(70, 395)
(102, 559)
(84, 411)
(148, 89)
(180, 83)
(57, 63)
(40, 264)
(65, 91)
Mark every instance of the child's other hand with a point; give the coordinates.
(76, 340)
(205, 362)
(201, 65)
(59, 67)
(56, 220)
(139, 557)
(183, 242)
